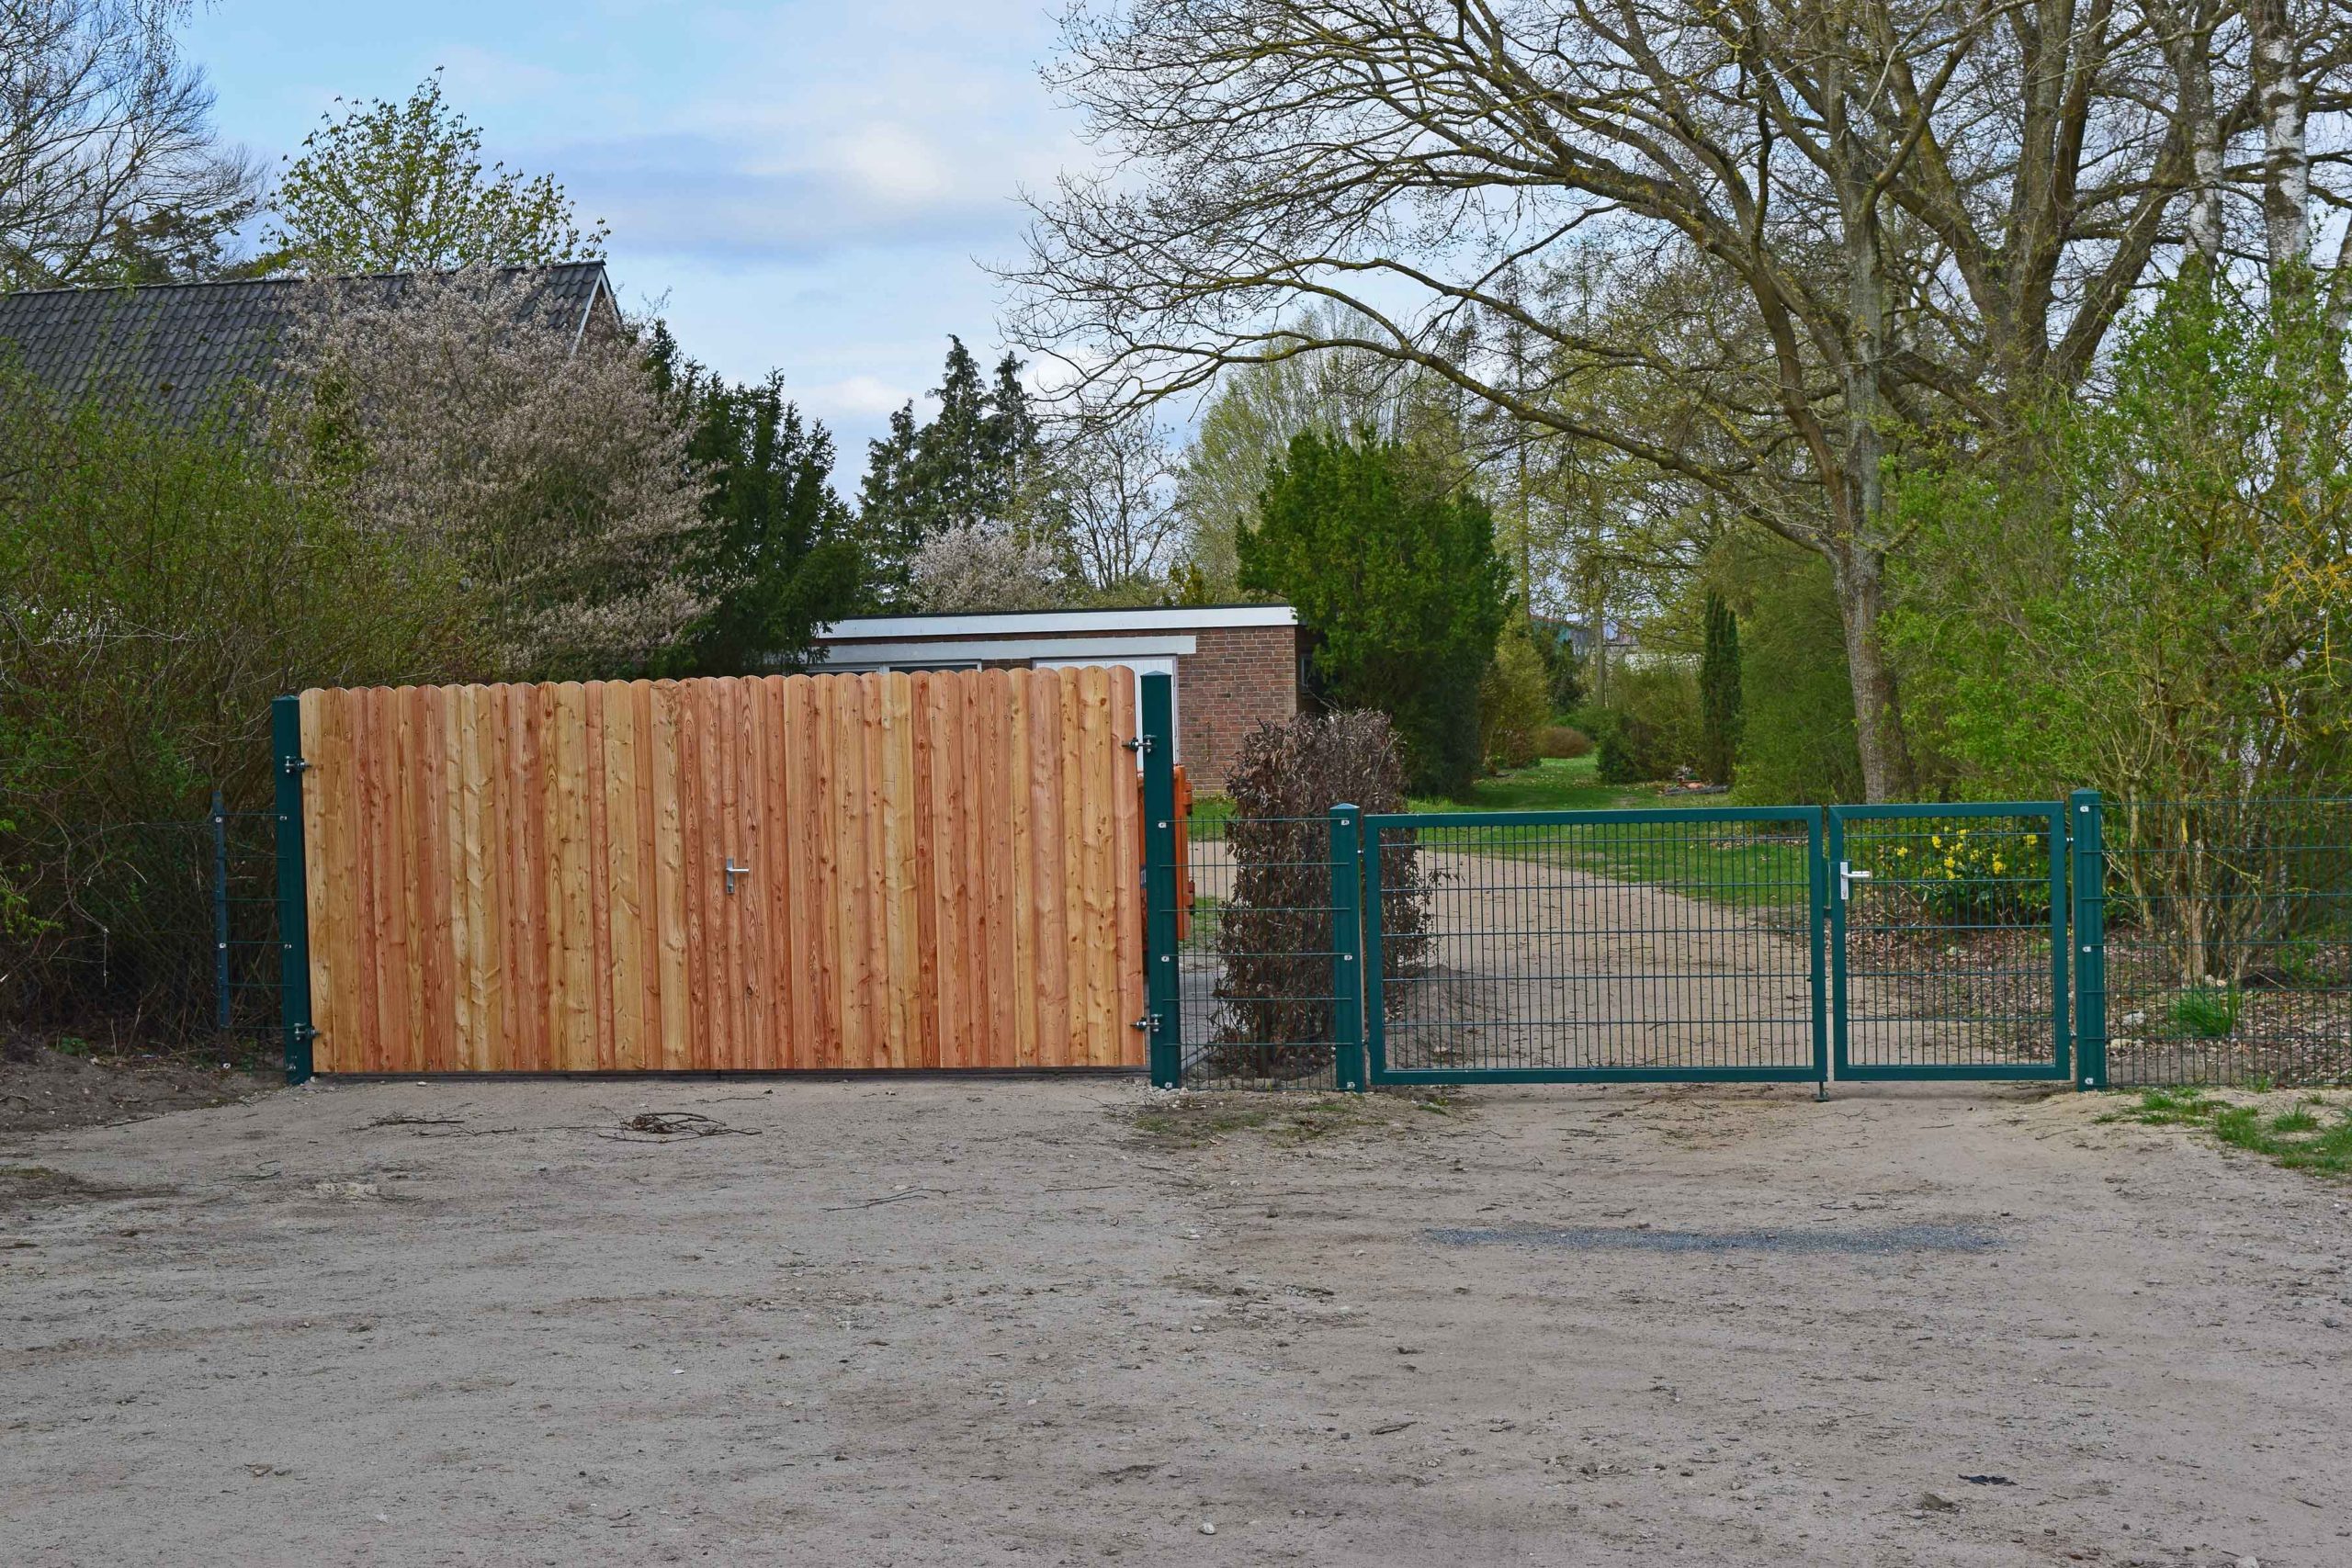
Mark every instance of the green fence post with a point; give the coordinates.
(1817, 851)
(2090, 940)
(1346, 948)
(1162, 1021)
(293, 906)
(221, 1019)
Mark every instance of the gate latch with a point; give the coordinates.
(1846, 877)
(734, 871)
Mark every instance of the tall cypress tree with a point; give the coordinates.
(780, 559)
(967, 465)
(1719, 697)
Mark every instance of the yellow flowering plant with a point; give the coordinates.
(1982, 873)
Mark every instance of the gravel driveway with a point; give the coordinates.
(933, 1322)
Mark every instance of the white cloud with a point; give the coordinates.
(858, 400)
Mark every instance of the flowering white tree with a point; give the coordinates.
(454, 410)
(985, 566)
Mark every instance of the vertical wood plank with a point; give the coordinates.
(1021, 836)
(937, 861)
(599, 883)
(693, 850)
(429, 827)
(853, 866)
(1048, 872)
(529, 708)
(1087, 752)
(827, 1007)
(453, 714)
(1000, 906)
(1126, 810)
(668, 806)
(726, 919)
(619, 871)
(777, 888)
(326, 875)
(389, 922)
(757, 979)
(803, 957)
(890, 812)
(571, 860)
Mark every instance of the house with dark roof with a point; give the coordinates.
(185, 344)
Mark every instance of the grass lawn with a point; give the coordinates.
(1555, 784)
(1722, 862)
(2309, 1135)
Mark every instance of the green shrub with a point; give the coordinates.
(1796, 740)
(1514, 701)
(1719, 693)
(160, 583)
(1650, 729)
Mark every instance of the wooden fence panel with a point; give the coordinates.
(942, 871)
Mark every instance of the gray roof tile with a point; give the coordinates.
(185, 344)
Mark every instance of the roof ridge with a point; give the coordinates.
(283, 278)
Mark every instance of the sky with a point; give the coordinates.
(804, 186)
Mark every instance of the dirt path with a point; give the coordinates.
(954, 1322)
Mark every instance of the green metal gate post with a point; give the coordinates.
(1346, 948)
(1816, 853)
(293, 906)
(2090, 940)
(221, 1014)
(1162, 1021)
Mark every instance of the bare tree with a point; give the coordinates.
(106, 141)
(1899, 218)
(1111, 502)
(451, 411)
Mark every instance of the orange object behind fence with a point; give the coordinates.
(927, 870)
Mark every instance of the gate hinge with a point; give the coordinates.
(1148, 1023)
(1140, 743)
(298, 764)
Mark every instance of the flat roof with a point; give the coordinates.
(1050, 623)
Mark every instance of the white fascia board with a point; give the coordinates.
(871, 653)
(1064, 623)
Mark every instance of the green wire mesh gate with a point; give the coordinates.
(1949, 927)
(1722, 943)
(1630, 945)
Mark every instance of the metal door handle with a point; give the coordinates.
(1846, 877)
(734, 871)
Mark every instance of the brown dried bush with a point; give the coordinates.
(1274, 934)
(1562, 740)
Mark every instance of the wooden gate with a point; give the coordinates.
(930, 870)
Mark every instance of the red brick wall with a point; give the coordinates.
(1238, 678)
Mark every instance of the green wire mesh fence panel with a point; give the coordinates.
(1256, 999)
(1949, 940)
(1662, 946)
(2228, 941)
(140, 934)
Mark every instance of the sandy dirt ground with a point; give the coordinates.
(935, 1322)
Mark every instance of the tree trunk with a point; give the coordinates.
(1859, 495)
(2286, 165)
(2189, 41)
(1860, 574)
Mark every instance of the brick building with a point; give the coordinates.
(1235, 665)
